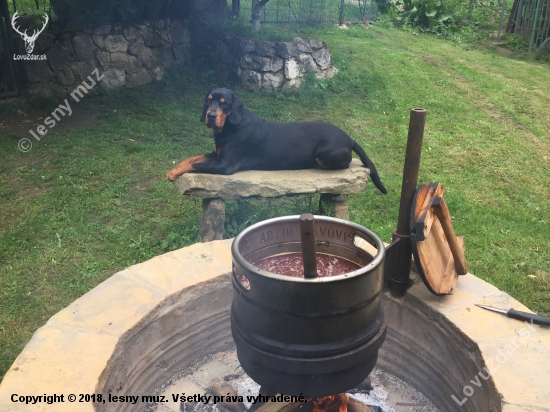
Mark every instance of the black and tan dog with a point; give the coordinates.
(245, 141)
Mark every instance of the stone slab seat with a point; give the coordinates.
(139, 327)
(215, 189)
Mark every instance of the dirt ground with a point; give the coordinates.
(501, 49)
(21, 121)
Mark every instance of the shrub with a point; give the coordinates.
(433, 16)
(442, 16)
(517, 43)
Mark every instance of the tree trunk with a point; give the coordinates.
(257, 6)
(236, 7)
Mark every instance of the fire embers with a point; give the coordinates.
(335, 403)
(332, 403)
(339, 403)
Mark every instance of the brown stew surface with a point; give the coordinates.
(291, 264)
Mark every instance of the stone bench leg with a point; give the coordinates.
(212, 219)
(339, 205)
(341, 210)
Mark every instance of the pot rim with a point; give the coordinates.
(251, 269)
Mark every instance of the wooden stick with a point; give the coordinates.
(222, 388)
(284, 407)
(307, 235)
(444, 216)
(353, 406)
(357, 406)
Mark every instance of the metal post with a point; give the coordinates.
(501, 18)
(517, 27)
(411, 168)
(535, 19)
(341, 18)
(398, 262)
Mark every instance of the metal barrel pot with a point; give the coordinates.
(315, 337)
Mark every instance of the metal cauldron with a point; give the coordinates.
(315, 336)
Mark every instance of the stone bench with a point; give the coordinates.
(215, 189)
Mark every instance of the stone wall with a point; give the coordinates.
(129, 56)
(259, 64)
(135, 55)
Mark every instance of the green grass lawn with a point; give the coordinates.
(87, 202)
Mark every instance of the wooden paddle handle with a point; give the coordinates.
(307, 236)
(442, 212)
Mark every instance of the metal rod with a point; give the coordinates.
(307, 236)
(501, 19)
(535, 28)
(410, 170)
(401, 265)
(519, 18)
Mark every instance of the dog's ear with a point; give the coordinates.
(204, 108)
(236, 114)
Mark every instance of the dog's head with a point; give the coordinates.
(221, 106)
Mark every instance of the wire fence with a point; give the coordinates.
(275, 11)
(531, 20)
(314, 11)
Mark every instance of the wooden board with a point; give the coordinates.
(434, 243)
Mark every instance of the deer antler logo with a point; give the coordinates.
(29, 40)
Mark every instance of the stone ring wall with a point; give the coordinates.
(140, 326)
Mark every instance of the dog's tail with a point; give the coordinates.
(367, 162)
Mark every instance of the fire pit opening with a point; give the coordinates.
(220, 374)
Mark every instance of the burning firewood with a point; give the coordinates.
(357, 406)
(222, 388)
(336, 403)
(282, 407)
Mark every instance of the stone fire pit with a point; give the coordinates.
(136, 329)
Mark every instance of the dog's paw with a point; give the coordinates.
(171, 176)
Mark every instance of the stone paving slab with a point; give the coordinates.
(461, 309)
(170, 272)
(261, 183)
(472, 290)
(516, 353)
(96, 311)
(520, 367)
(57, 360)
